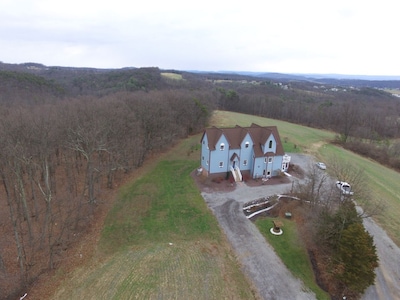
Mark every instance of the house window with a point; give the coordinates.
(269, 159)
(247, 145)
(202, 158)
(222, 147)
(204, 142)
(265, 160)
(207, 162)
(270, 144)
(221, 164)
(245, 162)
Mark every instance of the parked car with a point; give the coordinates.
(344, 187)
(321, 165)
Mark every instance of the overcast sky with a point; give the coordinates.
(287, 36)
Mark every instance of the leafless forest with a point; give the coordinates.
(68, 135)
(58, 159)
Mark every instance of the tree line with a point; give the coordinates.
(57, 159)
(364, 113)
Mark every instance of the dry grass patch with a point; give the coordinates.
(183, 270)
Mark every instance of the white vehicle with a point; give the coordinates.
(321, 165)
(344, 187)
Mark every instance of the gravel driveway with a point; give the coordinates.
(261, 264)
(387, 281)
(259, 261)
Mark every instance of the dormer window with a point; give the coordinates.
(222, 146)
(270, 144)
(247, 145)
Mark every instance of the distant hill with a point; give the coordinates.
(27, 87)
(70, 81)
(331, 79)
(36, 81)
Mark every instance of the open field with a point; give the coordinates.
(160, 241)
(173, 76)
(306, 139)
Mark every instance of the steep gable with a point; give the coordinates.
(235, 136)
(279, 146)
(213, 135)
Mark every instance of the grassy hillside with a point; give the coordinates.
(161, 241)
(298, 138)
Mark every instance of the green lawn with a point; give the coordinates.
(291, 250)
(160, 241)
(165, 206)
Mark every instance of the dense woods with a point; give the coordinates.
(58, 159)
(68, 135)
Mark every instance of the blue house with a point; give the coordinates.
(254, 150)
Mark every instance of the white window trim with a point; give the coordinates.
(221, 164)
(222, 147)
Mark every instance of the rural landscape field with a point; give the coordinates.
(97, 176)
(161, 241)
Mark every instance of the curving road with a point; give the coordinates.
(264, 268)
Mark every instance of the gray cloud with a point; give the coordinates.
(278, 36)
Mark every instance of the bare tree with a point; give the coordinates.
(87, 135)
